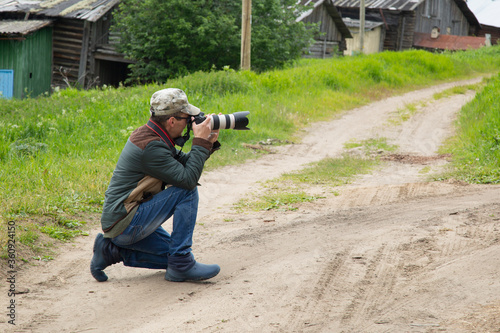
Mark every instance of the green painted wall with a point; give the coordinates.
(31, 60)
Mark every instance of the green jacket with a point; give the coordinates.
(145, 167)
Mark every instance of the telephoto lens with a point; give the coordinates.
(237, 120)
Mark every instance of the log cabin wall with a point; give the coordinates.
(399, 30)
(494, 32)
(67, 47)
(78, 54)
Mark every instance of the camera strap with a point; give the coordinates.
(163, 136)
(180, 141)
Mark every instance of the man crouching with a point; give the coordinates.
(153, 181)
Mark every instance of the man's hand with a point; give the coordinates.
(204, 130)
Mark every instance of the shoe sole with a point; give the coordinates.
(171, 278)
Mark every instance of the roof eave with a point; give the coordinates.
(334, 14)
(469, 15)
(91, 14)
(29, 27)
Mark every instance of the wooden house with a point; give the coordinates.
(333, 32)
(82, 47)
(25, 58)
(403, 18)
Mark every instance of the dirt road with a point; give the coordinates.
(391, 252)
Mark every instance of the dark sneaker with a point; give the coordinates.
(198, 272)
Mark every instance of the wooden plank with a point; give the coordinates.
(69, 41)
(62, 50)
(66, 56)
(82, 69)
(92, 66)
(75, 34)
(110, 57)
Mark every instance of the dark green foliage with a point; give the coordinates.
(276, 37)
(173, 38)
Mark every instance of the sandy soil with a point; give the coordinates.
(391, 252)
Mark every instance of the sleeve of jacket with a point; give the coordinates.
(159, 162)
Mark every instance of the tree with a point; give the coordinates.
(277, 38)
(168, 38)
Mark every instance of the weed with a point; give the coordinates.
(286, 191)
(456, 91)
(371, 146)
(61, 233)
(43, 258)
(27, 235)
(425, 170)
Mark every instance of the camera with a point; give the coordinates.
(237, 120)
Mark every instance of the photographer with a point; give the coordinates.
(151, 182)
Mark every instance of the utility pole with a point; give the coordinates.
(362, 26)
(246, 28)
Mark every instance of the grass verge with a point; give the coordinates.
(476, 146)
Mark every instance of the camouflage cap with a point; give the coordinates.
(169, 101)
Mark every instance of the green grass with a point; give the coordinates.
(371, 146)
(285, 192)
(457, 90)
(476, 146)
(332, 171)
(58, 152)
(282, 201)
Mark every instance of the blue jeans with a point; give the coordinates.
(145, 243)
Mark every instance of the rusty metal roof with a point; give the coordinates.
(369, 25)
(447, 42)
(13, 27)
(88, 10)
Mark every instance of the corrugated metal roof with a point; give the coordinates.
(382, 4)
(331, 10)
(305, 14)
(89, 10)
(12, 27)
(448, 42)
(486, 11)
(407, 5)
(369, 25)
